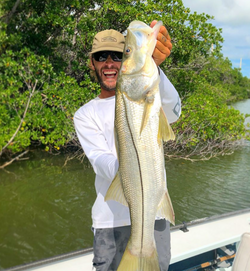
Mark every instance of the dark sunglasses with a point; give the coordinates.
(103, 55)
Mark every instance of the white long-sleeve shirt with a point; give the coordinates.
(94, 124)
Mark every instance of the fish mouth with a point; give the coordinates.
(110, 73)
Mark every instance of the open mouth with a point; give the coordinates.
(110, 74)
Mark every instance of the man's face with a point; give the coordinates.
(107, 72)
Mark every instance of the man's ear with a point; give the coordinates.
(91, 64)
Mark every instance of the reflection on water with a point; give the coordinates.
(45, 208)
(217, 186)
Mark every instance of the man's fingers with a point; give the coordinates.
(158, 56)
(162, 48)
(164, 38)
(164, 45)
(153, 23)
(164, 32)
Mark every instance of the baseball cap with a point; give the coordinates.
(108, 40)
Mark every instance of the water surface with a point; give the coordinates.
(45, 208)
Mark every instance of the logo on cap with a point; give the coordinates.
(109, 39)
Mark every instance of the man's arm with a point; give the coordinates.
(170, 99)
(171, 102)
(94, 144)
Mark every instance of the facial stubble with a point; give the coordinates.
(103, 85)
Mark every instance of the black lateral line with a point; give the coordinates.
(139, 171)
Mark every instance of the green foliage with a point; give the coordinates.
(219, 71)
(44, 49)
(207, 118)
(63, 30)
(214, 71)
(54, 100)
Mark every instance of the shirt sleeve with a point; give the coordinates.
(92, 138)
(170, 99)
(94, 144)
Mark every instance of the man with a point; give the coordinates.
(94, 124)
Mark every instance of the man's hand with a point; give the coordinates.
(163, 46)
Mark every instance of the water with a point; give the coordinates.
(243, 106)
(45, 208)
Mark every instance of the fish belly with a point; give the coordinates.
(141, 167)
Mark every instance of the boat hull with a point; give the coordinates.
(197, 242)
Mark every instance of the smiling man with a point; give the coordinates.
(94, 124)
(105, 60)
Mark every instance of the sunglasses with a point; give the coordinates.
(103, 55)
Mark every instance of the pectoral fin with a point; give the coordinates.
(165, 131)
(115, 191)
(149, 100)
(165, 208)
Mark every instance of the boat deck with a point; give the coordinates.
(203, 235)
(208, 234)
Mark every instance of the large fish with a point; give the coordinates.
(140, 127)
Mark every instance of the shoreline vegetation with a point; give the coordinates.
(45, 78)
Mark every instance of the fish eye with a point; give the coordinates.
(128, 51)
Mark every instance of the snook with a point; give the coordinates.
(140, 127)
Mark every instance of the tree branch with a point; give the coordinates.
(9, 16)
(14, 159)
(22, 120)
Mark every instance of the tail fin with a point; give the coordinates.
(132, 262)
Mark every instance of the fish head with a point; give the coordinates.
(139, 46)
(134, 55)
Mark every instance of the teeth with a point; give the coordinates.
(114, 73)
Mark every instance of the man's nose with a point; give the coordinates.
(109, 59)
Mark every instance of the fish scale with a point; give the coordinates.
(140, 126)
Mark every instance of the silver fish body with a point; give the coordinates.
(140, 127)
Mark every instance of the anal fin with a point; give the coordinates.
(165, 208)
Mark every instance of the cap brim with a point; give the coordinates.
(107, 48)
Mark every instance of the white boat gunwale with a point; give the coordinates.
(88, 252)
